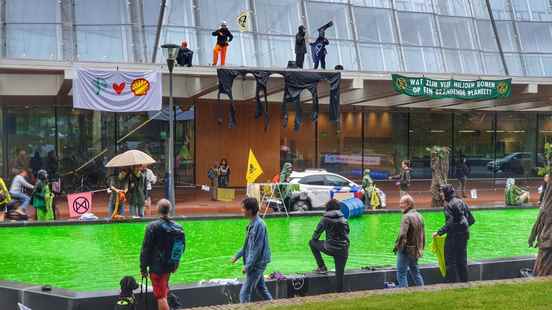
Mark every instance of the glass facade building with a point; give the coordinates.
(373, 36)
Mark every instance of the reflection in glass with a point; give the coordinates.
(515, 145)
(473, 140)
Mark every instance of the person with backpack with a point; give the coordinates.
(458, 219)
(163, 246)
(255, 253)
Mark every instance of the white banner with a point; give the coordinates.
(116, 91)
(244, 21)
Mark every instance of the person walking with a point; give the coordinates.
(136, 185)
(255, 253)
(17, 189)
(300, 46)
(163, 246)
(43, 197)
(224, 36)
(223, 173)
(403, 177)
(410, 243)
(336, 243)
(462, 173)
(458, 220)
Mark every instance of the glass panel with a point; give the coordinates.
(385, 142)
(423, 59)
(515, 145)
(185, 147)
(341, 151)
(413, 5)
(507, 36)
(28, 131)
(332, 180)
(151, 11)
(462, 61)
(453, 7)
(473, 139)
(151, 138)
(501, 9)
(456, 32)
(32, 11)
(417, 29)
(427, 130)
(101, 12)
(493, 63)
(172, 35)
(537, 10)
(276, 51)
(538, 65)
(513, 62)
(374, 25)
(298, 147)
(479, 9)
(535, 37)
(487, 38)
(103, 43)
(379, 57)
(341, 53)
(179, 13)
(279, 17)
(321, 13)
(33, 41)
(313, 180)
(545, 132)
(94, 131)
(213, 12)
(372, 3)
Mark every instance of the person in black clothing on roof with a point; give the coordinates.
(158, 252)
(300, 47)
(185, 55)
(224, 36)
(458, 220)
(336, 244)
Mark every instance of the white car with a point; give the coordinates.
(316, 188)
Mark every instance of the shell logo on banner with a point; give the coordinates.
(140, 87)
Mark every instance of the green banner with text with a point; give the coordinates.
(477, 89)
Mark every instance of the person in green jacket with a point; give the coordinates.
(137, 199)
(43, 197)
(515, 195)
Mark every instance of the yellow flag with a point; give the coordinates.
(243, 21)
(438, 249)
(254, 170)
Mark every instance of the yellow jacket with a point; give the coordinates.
(5, 193)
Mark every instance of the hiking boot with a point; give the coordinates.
(321, 270)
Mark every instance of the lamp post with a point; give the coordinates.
(170, 51)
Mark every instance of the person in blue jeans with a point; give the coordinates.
(255, 253)
(17, 189)
(410, 243)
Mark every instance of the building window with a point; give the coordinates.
(33, 29)
(298, 146)
(536, 10)
(277, 17)
(321, 13)
(374, 25)
(473, 140)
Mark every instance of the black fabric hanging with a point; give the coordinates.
(294, 83)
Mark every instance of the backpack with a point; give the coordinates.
(176, 244)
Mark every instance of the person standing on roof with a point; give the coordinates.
(224, 36)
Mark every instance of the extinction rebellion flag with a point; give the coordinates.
(478, 89)
(116, 91)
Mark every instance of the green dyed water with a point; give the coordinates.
(95, 257)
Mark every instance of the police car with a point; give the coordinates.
(316, 187)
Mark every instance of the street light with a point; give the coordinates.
(170, 51)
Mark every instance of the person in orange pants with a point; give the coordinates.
(224, 36)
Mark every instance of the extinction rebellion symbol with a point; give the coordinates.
(81, 205)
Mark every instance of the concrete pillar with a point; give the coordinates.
(68, 34)
(137, 35)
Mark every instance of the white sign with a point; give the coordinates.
(352, 159)
(244, 21)
(116, 91)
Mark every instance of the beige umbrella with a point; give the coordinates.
(130, 158)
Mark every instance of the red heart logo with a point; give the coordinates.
(118, 88)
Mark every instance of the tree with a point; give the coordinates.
(439, 173)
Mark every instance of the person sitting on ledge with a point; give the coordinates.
(336, 243)
(515, 195)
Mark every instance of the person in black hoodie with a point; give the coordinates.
(185, 55)
(458, 220)
(224, 36)
(336, 243)
(300, 46)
